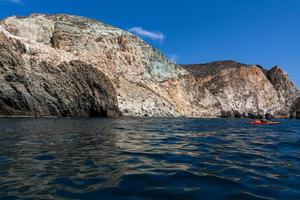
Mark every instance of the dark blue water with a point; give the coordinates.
(148, 159)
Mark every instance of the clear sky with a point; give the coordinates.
(265, 32)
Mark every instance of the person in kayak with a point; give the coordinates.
(263, 119)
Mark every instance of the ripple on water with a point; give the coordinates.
(148, 159)
(44, 157)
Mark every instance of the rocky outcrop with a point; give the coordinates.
(69, 66)
(286, 89)
(63, 65)
(71, 88)
(295, 110)
(244, 90)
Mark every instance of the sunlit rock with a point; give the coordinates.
(64, 65)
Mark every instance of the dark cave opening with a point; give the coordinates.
(298, 115)
(94, 112)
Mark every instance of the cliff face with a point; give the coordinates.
(295, 110)
(67, 65)
(64, 65)
(286, 90)
(31, 88)
(241, 89)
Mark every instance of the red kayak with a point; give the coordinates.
(258, 122)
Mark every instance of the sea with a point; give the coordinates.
(148, 158)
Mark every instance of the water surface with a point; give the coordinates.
(148, 159)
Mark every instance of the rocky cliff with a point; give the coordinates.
(295, 110)
(63, 65)
(243, 90)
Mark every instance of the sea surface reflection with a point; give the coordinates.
(148, 159)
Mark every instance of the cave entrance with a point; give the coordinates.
(298, 115)
(98, 112)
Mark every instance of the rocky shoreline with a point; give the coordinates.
(70, 66)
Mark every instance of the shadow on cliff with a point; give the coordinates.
(295, 109)
(35, 88)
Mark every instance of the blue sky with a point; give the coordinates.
(265, 32)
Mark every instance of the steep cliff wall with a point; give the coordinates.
(64, 65)
(295, 110)
(139, 75)
(241, 89)
(37, 88)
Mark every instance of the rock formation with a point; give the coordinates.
(33, 88)
(63, 65)
(295, 110)
(242, 90)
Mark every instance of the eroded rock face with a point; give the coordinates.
(36, 88)
(63, 50)
(286, 89)
(243, 90)
(63, 65)
(295, 110)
